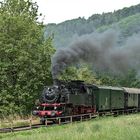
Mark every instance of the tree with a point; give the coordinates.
(129, 79)
(25, 56)
(82, 73)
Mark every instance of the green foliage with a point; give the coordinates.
(108, 79)
(128, 26)
(25, 56)
(81, 73)
(130, 79)
(84, 72)
(128, 19)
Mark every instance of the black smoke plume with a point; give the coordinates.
(101, 50)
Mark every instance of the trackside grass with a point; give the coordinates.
(18, 122)
(103, 128)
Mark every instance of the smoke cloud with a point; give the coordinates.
(101, 50)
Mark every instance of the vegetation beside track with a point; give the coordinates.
(17, 122)
(103, 128)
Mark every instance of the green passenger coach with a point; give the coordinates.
(132, 97)
(109, 98)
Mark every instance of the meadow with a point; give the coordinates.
(101, 128)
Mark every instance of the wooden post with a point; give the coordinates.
(31, 120)
(90, 116)
(12, 126)
(81, 119)
(71, 119)
(46, 122)
(59, 121)
(30, 123)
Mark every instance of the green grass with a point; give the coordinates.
(105, 128)
(8, 124)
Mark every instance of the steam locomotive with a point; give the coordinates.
(76, 97)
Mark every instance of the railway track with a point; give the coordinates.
(68, 119)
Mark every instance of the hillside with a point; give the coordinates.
(127, 20)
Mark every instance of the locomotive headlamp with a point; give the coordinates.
(35, 112)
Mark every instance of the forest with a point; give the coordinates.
(127, 20)
(27, 47)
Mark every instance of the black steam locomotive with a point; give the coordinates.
(76, 97)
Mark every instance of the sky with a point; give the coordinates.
(56, 11)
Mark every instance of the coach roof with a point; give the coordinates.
(132, 90)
